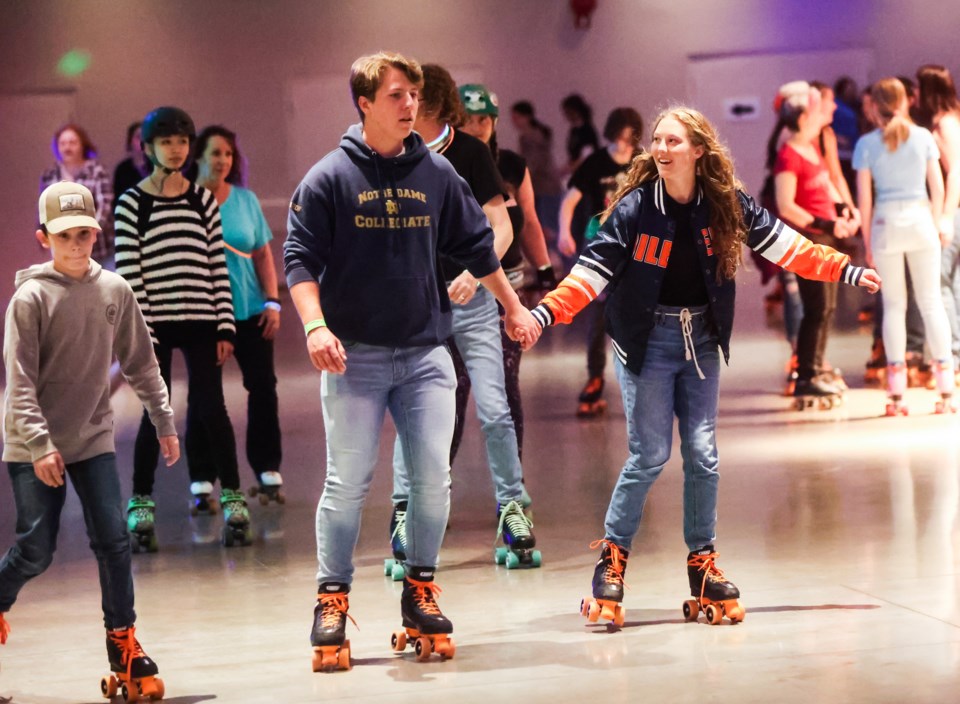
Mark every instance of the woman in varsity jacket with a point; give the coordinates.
(668, 251)
(170, 250)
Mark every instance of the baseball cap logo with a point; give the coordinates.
(70, 202)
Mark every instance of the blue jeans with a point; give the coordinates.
(416, 384)
(668, 385)
(950, 288)
(38, 522)
(476, 333)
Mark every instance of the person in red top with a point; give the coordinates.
(808, 201)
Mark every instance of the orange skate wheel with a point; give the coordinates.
(158, 689)
(343, 659)
(108, 686)
(130, 691)
(423, 648)
(593, 612)
(317, 661)
(736, 613)
(691, 609)
(619, 615)
(451, 649)
(713, 614)
(398, 641)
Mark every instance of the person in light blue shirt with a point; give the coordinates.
(256, 305)
(899, 161)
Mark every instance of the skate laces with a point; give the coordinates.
(401, 530)
(707, 565)
(331, 606)
(613, 573)
(424, 594)
(518, 525)
(129, 646)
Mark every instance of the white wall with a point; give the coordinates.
(233, 61)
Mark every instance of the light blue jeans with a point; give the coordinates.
(476, 332)
(950, 288)
(416, 384)
(668, 386)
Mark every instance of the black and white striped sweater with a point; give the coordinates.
(176, 266)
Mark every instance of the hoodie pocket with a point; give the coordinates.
(394, 312)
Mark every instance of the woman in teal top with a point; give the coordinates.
(256, 306)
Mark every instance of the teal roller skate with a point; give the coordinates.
(393, 567)
(236, 518)
(141, 523)
(518, 539)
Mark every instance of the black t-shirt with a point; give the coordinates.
(512, 168)
(597, 179)
(683, 283)
(581, 137)
(473, 160)
(125, 176)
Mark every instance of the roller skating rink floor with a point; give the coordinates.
(839, 527)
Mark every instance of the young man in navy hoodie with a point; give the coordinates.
(365, 229)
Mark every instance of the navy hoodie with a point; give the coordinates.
(369, 229)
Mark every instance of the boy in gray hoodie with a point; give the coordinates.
(66, 321)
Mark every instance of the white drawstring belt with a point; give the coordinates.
(689, 351)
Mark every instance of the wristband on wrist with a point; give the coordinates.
(313, 325)
(823, 225)
(272, 304)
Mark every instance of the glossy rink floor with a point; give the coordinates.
(839, 527)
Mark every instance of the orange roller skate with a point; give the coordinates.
(331, 650)
(608, 585)
(425, 627)
(133, 672)
(715, 595)
(591, 404)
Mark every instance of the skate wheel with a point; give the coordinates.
(108, 686)
(798, 404)
(500, 555)
(736, 614)
(512, 561)
(423, 648)
(398, 641)
(343, 657)
(387, 567)
(263, 499)
(130, 692)
(536, 559)
(253, 491)
(593, 612)
(450, 650)
(281, 499)
(153, 688)
(691, 609)
(713, 614)
(619, 615)
(397, 571)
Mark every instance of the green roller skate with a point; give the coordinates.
(518, 539)
(393, 567)
(236, 518)
(141, 523)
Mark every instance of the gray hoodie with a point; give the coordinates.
(61, 337)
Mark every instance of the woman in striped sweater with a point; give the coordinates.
(170, 250)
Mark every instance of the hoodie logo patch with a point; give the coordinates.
(112, 313)
(392, 207)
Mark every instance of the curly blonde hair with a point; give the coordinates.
(716, 176)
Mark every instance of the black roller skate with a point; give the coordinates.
(518, 539)
(331, 650)
(816, 393)
(132, 669)
(201, 502)
(712, 592)
(425, 627)
(393, 567)
(269, 488)
(236, 519)
(591, 402)
(141, 523)
(608, 585)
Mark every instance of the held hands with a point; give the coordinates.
(224, 350)
(50, 469)
(522, 327)
(270, 322)
(462, 289)
(326, 352)
(870, 280)
(170, 449)
(566, 244)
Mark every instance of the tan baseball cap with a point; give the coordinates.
(66, 204)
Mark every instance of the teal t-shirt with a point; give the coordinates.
(900, 174)
(245, 229)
